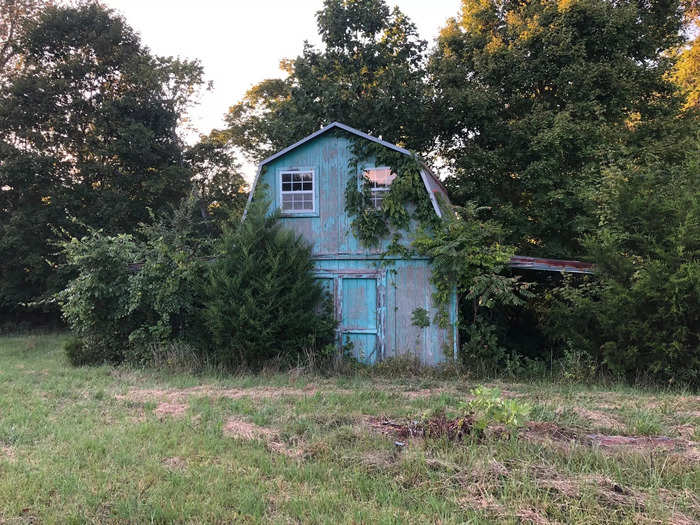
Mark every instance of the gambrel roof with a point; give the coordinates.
(432, 184)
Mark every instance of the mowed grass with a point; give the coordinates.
(106, 444)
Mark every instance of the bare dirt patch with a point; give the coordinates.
(598, 419)
(170, 410)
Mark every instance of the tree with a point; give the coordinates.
(369, 74)
(88, 130)
(217, 178)
(686, 72)
(641, 314)
(262, 299)
(14, 14)
(534, 97)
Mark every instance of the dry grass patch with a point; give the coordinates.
(164, 410)
(598, 419)
(239, 429)
(482, 486)
(180, 394)
(681, 447)
(174, 395)
(175, 463)
(7, 453)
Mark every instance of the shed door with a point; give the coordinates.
(358, 325)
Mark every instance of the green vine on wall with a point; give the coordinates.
(465, 249)
(404, 202)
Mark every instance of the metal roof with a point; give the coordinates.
(328, 128)
(550, 265)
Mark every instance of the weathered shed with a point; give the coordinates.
(376, 296)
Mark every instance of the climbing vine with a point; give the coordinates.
(405, 201)
(465, 249)
(405, 204)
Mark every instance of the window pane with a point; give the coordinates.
(297, 191)
(377, 198)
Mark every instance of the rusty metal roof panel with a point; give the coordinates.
(550, 265)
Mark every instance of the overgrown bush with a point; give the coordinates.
(79, 354)
(132, 292)
(97, 303)
(162, 300)
(262, 300)
(166, 291)
(466, 250)
(639, 317)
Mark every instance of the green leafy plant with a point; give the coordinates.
(96, 304)
(420, 317)
(577, 366)
(489, 408)
(131, 292)
(79, 354)
(405, 201)
(482, 351)
(638, 319)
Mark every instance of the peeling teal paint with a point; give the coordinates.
(373, 301)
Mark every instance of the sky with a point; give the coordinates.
(240, 43)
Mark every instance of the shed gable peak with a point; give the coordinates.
(431, 183)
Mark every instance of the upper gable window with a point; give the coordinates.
(297, 191)
(379, 180)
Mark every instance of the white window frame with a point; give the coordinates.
(373, 191)
(311, 192)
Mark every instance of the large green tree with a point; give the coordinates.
(534, 97)
(369, 74)
(88, 130)
(217, 179)
(14, 14)
(640, 316)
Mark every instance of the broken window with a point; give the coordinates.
(379, 180)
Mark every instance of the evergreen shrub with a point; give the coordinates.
(262, 300)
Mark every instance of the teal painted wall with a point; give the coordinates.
(374, 300)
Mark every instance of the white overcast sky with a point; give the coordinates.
(240, 43)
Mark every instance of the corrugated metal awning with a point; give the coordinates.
(550, 265)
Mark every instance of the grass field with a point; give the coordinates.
(105, 444)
